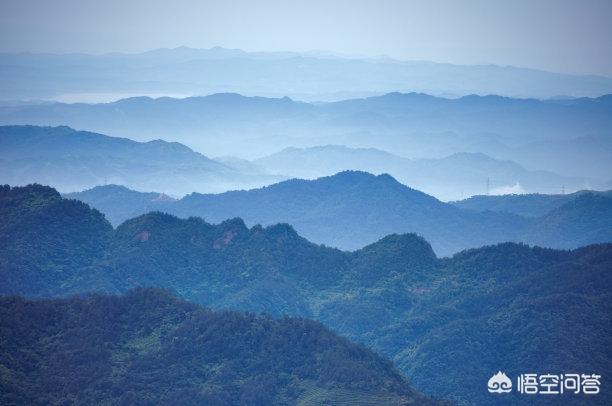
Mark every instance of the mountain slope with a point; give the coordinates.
(516, 307)
(586, 218)
(148, 347)
(73, 160)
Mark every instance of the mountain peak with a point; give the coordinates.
(283, 232)
(110, 188)
(357, 175)
(235, 223)
(409, 246)
(153, 219)
(352, 175)
(404, 254)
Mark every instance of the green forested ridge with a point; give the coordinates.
(448, 324)
(45, 240)
(148, 347)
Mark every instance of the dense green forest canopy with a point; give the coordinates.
(448, 323)
(148, 347)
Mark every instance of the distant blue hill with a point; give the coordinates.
(75, 160)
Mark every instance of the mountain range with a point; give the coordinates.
(272, 228)
(352, 209)
(448, 178)
(149, 347)
(308, 76)
(74, 160)
(538, 134)
(448, 324)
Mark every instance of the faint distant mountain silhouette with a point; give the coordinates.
(310, 76)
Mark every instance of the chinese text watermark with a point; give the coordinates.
(546, 384)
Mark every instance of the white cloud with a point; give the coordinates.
(515, 189)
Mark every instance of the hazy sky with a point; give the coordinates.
(555, 35)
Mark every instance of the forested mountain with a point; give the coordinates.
(447, 323)
(309, 75)
(538, 134)
(148, 347)
(527, 205)
(448, 178)
(73, 160)
(46, 241)
(352, 209)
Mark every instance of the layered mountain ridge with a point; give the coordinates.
(352, 209)
(310, 75)
(538, 134)
(503, 302)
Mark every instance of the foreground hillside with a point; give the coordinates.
(148, 347)
(448, 324)
(352, 209)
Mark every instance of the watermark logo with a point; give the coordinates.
(499, 383)
(546, 384)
